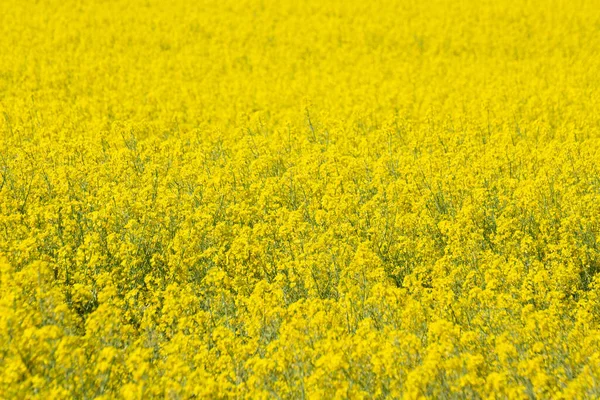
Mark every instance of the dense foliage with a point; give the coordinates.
(318, 199)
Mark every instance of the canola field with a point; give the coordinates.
(327, 199)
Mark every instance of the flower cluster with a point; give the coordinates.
(318, 199)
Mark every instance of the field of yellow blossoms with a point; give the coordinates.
(324, 199)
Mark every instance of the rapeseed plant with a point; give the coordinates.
(273, 199)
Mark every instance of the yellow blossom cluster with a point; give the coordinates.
(317, 199)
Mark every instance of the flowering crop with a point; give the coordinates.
(317, 199)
